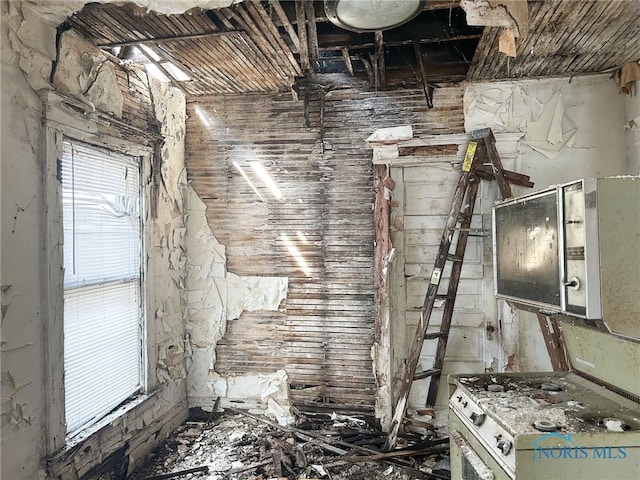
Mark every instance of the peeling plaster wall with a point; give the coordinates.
(28, 47)
(22, 343)
(57, 11)
(213, 297)
(573, 128)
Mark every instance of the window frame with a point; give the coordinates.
(88, 153)
(58, 125)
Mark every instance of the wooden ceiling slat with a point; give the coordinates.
(566, 37)
(259, 37)
(197, 66)
(583, 42)
(580, 22)
(256, 71)
(558, 20)
(249, 58)
(215, 54)
(272, 31)
(612, 43)
(258, 42)
(551, 26)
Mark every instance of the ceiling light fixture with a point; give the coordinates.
(372, 15)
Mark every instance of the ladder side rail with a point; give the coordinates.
(454, 280)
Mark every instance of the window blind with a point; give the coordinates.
(102, 281)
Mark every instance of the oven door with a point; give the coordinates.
(469, 459)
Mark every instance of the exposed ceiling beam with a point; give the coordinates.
(380, 58)
(391, 43)
(304, 43)
(312, 29)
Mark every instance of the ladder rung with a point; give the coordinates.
(444, 296)
(427, 373)
(434, 335)
(454, 258)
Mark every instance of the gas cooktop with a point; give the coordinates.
(549, 402)
(541, 425)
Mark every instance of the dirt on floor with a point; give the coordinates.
(239, 445)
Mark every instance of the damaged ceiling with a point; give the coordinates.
(258, 46)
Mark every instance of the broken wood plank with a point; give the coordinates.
(179, 473)
(485, 172)
(304, 42)
(393, 454)
(287, 24)
(428, 89)
(553, 340)
(347, 60)
(324, 442)
(380, 61)
(312, 30)
(428, 150)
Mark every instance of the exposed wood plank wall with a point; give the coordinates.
(323, 335)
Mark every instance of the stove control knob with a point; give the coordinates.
(505, 446)
(459, 397)
(477, 418)
(498, 437)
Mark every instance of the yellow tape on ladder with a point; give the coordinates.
(468, 158)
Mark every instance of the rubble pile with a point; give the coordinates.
(241, 446)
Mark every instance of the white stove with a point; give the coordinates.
(554, 425)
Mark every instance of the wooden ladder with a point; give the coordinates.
(474, 169)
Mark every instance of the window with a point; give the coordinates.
(103, 311)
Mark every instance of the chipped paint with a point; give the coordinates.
(214, 296)
(87, 75)
(166, 250)
(28, 50)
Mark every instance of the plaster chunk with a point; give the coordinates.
(254, 293)
(86, 74)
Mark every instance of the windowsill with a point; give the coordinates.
(77, 438)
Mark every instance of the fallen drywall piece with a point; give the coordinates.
(271, 391)
(391, 134)
(512, 14)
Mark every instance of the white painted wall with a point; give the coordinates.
(573, 128)
(632, 128)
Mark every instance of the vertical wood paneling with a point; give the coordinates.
(323, 335)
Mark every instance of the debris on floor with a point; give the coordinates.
(239, 445)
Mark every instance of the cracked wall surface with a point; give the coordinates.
(84, 74)
(572, 128)
(196, 289)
